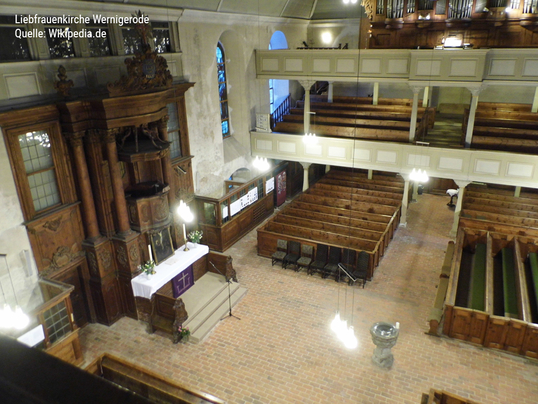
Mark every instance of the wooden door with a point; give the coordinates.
(79, 300)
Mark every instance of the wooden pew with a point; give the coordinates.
(478, 278)
(509, 203)
(509, 284)
(436, 313)
(348, 204)
(148, 384)
(503, 106)
(346, 113)
(320, 236)
(533, 264)
(327, 185)
(342, 212)
(365, 221)
(324, 120)
(354, 197)
(332, 218)
(503, 126)
(394, 188)
(390, 135)
(499, 218)
(362, 100)
(328, 227)
(508, 144)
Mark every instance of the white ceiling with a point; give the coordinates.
(303, 9)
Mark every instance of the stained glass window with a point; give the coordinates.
(223, 94)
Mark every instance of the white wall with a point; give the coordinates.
(216, 159)
(13, 239)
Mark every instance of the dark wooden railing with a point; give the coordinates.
(280, 111)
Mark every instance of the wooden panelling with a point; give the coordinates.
(150, 212)
(200, 267)
(57, 239)
(81, 296)
(530, 342)
(68, 349)
(151, 385)
(107, 299)
(222, 238)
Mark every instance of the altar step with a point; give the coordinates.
(207, 303)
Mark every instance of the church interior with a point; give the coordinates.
(294, 201)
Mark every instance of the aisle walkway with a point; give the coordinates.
(282, 351)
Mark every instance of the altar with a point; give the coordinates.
(167, 270)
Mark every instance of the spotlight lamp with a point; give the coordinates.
(186, 216)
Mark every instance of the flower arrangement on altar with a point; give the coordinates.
(195, 236)
(148, 267)
(183, 332)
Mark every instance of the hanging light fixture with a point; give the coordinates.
(9, 318)
(419, 175)
(310, 138)
(345, 333)
(261, 163)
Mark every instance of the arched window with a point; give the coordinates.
(278, 89)
(223, 93)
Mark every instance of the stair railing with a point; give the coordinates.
(280, 111)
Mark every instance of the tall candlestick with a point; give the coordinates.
(150, 254)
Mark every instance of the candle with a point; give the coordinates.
(150, 254)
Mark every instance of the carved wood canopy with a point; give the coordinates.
(146, 71)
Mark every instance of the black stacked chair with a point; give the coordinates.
(321, 259)
(331, 269)
(280, 253)
(349, 263)
(307, 253)
(294, 252)
(361, 271)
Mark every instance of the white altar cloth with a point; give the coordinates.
(166, 270)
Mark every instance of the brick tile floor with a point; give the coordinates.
(282, 351)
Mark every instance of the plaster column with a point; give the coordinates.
(375, 95)
(168, 178)
(414, 113)
(306, 184)
(472, 113)
(85, 186)
(306, 85)
(426, 97)
(535, 101)
(405, 202)
(459, 204)
(330, 92)
(109, 136)
(517, 192)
